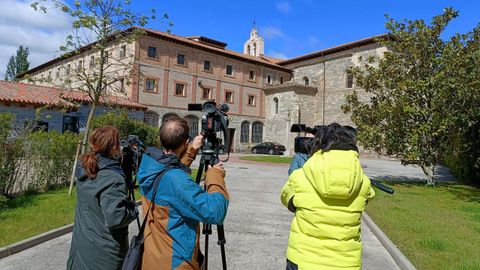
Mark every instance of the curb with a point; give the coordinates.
(35, 240)
(396, 254)
(38, 239)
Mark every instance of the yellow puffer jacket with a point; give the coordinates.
(330, 193)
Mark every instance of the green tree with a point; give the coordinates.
(418, 91)
(17, 64)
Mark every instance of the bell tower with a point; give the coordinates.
(254, 46)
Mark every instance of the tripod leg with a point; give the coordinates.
(221, 242)
(206, 233)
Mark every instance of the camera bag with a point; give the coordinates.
(133, 259)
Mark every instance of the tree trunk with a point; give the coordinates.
(87, 127)
(428, 170)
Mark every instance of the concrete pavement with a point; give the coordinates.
(256, 228)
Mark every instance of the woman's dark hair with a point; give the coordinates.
(174, 132)
(104, 140)
(334, 136)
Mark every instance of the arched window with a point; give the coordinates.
(244, 132)
(168, 115)
(255, 49)
(248, 49)
(306, 81)
(275, 105)
(257, 132)
(151, 118)
(192, 124)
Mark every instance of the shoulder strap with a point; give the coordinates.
(155, 189)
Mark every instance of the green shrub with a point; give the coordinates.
(147, 134)
(51, 156)
(462, 155)
(10, 152)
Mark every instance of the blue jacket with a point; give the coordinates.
(298, 161)
(172, 230)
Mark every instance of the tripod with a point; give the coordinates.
(206, 160)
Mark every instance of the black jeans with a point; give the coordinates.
(291, 265)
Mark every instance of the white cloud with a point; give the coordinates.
(42, 33)
(283, 6)
(271, 32)
(278, 55)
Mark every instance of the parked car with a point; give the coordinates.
(269, 148)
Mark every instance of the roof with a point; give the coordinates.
(54, 97)
(289, 86)
(201, 44)
(343, 47)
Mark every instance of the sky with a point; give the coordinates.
(290, 27)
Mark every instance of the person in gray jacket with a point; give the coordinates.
(103, 211)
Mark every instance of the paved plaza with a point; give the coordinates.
(256, 227)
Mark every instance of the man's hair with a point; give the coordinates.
(174, 132)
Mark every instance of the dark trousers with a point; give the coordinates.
(291, 265)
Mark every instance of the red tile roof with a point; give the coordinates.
(343, 47)
(176, 39)
(23, 93)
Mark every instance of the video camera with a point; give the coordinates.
(132, 151)
(214, 120)
(304, 144)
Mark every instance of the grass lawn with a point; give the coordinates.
(29, 215)
(435, 227)
(271, 159)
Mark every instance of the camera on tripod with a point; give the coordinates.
(214, 120)
(304, 144)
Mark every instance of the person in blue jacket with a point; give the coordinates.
(172, 230)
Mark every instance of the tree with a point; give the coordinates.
(417, 91)
(99, 24)
(17, 64)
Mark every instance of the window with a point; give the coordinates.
(49, 75)
(70, 123)
(306, 81)
(57, 73)
(248, 49)
(193, 125)
(123, 51)
(251, 100)
(269, 79)
(244, 132)
(257, 132)
(251, 75)
(255, 49)
(106, 56)
(152, 52)
(229, 96)
(275, 105)
(168, 115)
(92, 61)
(206, 65)
(151, 118)
(281, 80)
(179, 89)
(349, 83)
(206, 93)
(150, 85)
(180, 59)
(229, 70)
(67, 71)
(79, 65)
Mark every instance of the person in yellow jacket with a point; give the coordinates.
(328, 195)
